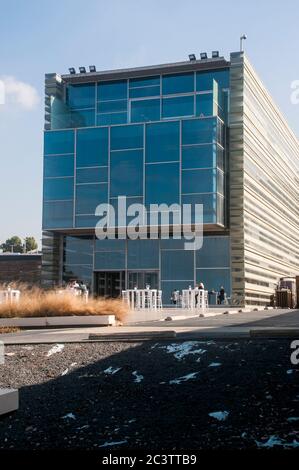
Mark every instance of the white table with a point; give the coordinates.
(143, 298)
(194, 299)
(9, 296)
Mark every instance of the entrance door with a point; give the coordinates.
(141, 279)
(109, 283)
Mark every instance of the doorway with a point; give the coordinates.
(109, 284)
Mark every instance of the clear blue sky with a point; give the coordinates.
(38, 36)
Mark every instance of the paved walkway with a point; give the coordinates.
(230, 326)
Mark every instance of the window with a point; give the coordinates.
(209, 206)
(78, 250)
(143, 87)
(199, 156)
(58, 189)
(143, 254)
(89, 221)
(92, 147)
(199, 181)
(205, 105)
(58, 165)
(199, 131)
(58, 214)
(178, 106)
(214, 279)
(126, 173)
(181, 83)
(108, 119)
(81, 96)
(114, 90)
(215, 253)
(145, 110)
(162, 142)
(162, 183)
(83, 118)
(204, 80)
(177, 265)
(92, 175)
(58, 142)
(89, 196)
(126, 137)
(112, 106)
(110, 260)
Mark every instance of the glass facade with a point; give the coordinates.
(154, 139)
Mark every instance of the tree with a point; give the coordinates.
(30, 243)
(13, 244)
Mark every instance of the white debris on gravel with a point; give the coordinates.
(55, 349)
(138, 377)
(9, 354)
(67, 370)
(113, 443)
(64, 372)
(111, 371)
(219, 415)
(69, 416)
(184, 378)
(276, 441)
(215, 364)
(180, 350)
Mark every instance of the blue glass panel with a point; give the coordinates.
(215, 253)
(89, 221)
(178, 106)
(220, 157)
(112, 90)
(126, 137)
(74, 246)
(144, 82)
(89, 196)
(162, 142)
(204, 80)
(162, 183)
(110, 245)
(109, 260)
(177, 265)
(92, 147)
(145, 110)
(56, 142)
(199, 131)
(58, 189)
(220, 209)
(204, 104)
(112, 118)
(199, 181)
(61, 165)
(214, 279)
(92, 175)
(112, 106)
(143, 254)
(199, 156)
(209, 206)
(78, 272)
(144, 92)
(180, 83)
(83, 118)
(81, 96)
(126, 173)
(58, 214)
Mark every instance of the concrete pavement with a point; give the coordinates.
(248, 324)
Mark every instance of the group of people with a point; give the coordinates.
(176, 296)
(78, 288)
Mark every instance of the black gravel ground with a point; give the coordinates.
(67, 401)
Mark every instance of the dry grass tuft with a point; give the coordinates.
(35, 302)
(8, 329)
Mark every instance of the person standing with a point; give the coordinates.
(221, 296)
